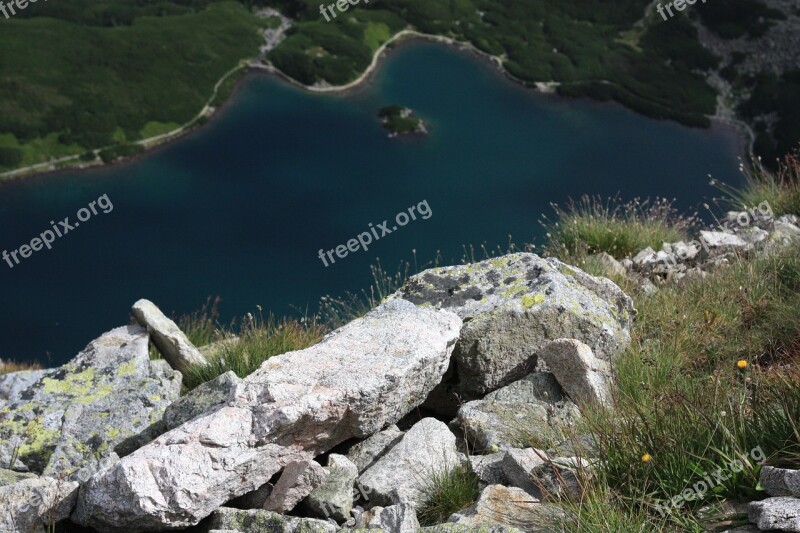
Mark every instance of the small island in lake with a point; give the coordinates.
(399, 120)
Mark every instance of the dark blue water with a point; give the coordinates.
(240, 208)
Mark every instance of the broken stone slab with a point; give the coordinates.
(333, 498)
(399, 518)
(511, 307)
(359, 379)
(531, 410)
(518, 464)
(258, 521)
(72, 417)
(715, 242)
(609, 265)
(584, 377)
(404, 474)
(365, 453)
(296, 482)
(780, 481)
(167, 337)
(201, 399)
(510, 507)
(780, 512)
(31, 505)
(489, 468)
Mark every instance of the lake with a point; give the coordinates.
(240, 208)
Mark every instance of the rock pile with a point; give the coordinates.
(502, 352)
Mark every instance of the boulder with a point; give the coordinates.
(14, 383)
(365, 453)
(489, 468)
(404, 474)
(609, 265)
(531, 410)
(30, 505)
(110, 396)
(359, 379)
(784, 235)
(201, 399)
(512, 306)
(334, 497)
(260, 521)
(167, 337)
(518, 465)
(296, 482)
(717, 242)
(780, 481)
(780, 512)
(510, 507)
(399, 518)
(583, 377)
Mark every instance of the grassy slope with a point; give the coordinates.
(95, 84)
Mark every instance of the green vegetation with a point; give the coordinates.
(618, 228)
(710, 378)
(781, 190)
(774, 94)
(399, 120)
(86, 75)
(451, 490)
(732, 19)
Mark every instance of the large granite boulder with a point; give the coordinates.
(404, 474)
(359, 379)
(532, 410)
(512, 306)
(109, 397)
(31, 505)
(167, 337)
(201, 399)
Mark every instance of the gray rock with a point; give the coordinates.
(404, 474)
(110, 395)
(365, 453)
(9, 477)
(582, 446)
(510, 507)
(559, 478)
(359, 379)
(682, 251)
(583, 377)
(334, 497)
(511, 307)
(531, 410)
(780, 481)
(201, 399)
(784, 235)
(167, 337)
(720, 241)
(260, 521)
(15, 383)
(297, 481)
(399, 518)
(489, 468)
(788, 219)
(518, 466)
(779, 512)
(753, 235)
(643, 258)
(30, 505)
(609, 265)
(462, 528)
(255, 499)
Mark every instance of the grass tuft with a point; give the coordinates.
(451, 490)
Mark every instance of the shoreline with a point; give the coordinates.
(744, 133)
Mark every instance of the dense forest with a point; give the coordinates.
(88, 74)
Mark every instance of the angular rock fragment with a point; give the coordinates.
(510, 507)
(257, 521)
(780, 481)
(780, 512)
(511, 307)
(518, 465)
(296, 482)
(559, 478)
(489, 468)
(30, 505)
(167, 337)
(72, 417)
(201, 399)
(404, 474)
(359, 379)
(333, 498)
(365, 453)
(583, 377)
(531, 410)
(399, 518)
